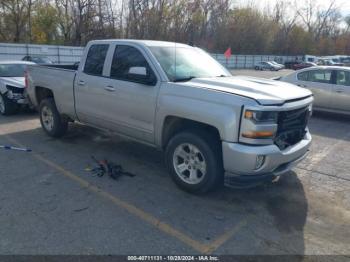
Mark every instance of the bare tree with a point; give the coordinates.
(318, 20)
(347, 21)
(17, 13)
(283, 27)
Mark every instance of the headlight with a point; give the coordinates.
(261, 116)
(258, 127)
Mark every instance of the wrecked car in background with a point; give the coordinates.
(12, 84)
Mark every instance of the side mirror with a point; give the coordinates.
(138, 70)
(140, 74)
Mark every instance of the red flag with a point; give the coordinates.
(227, 53)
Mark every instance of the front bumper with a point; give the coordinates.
(17, 98)
(240, 160)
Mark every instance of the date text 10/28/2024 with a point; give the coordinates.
(172, 258)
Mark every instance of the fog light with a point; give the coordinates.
(260, 160)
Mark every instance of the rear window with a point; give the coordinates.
(320, 76)
(95, 59)
(303, 76)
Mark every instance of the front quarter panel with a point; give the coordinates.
(217, 109)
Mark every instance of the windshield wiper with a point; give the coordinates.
(184, 79)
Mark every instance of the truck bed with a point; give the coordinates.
(59, 79)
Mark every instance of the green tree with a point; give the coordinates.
(45, 23)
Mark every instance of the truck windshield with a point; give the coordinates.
(187, 63)
(12, 70)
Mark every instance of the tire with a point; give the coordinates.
(206, 149)
(7, 107)
(51, 120)
(256, 68)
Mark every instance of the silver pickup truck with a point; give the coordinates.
(212, 126)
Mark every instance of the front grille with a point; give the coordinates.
(291, 127)
(15, 90)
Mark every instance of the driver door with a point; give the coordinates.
(132, 86)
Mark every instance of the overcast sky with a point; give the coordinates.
(343, 4)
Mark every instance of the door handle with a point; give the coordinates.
(302, 85)
(339, 90)
(81, 82)
(110, 88)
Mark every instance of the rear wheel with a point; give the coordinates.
(7, 107)
(194, 161)
(51, 120)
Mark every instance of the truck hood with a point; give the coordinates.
(265, 91)
(13, 81)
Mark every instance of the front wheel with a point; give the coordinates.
(194, 161)
(51, 120)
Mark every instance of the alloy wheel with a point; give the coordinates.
(189, 163)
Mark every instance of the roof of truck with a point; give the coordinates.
(144, 42)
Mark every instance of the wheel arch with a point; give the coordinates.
(42, 93)
(173, 125)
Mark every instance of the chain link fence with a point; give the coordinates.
(72, 54)
(58, 54)
(248, 61)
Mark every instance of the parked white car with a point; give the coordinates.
(266, 66)
(280, 66)
(12, 86)
(330, 86)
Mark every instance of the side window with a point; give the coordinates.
(127, 57)
(303, 76)
(95, 59)
(343, 78)
(320, 76)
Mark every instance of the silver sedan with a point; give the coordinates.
(330, 86)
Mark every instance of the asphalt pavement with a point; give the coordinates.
(51, 204)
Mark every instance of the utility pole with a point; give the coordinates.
(30, 20)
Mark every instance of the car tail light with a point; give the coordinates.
(26, 84)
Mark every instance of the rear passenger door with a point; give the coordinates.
(341, 91)
(90, 84)
(320, 82)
